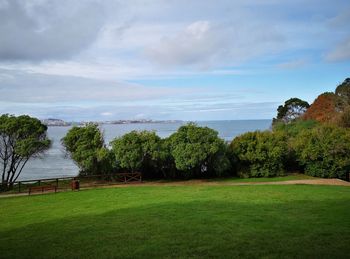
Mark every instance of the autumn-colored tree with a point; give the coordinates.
(323, 109)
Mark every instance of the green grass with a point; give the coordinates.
(88, 182)
(294, 221)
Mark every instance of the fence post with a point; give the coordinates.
(39, 182)
(57, 182)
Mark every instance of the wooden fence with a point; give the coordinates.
(65, 181)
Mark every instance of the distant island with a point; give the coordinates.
(58, 122)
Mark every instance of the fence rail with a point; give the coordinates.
(102, 178)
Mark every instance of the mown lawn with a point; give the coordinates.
(294, 221)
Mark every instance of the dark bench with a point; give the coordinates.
(42, 188)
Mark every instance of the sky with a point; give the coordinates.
(168, 59)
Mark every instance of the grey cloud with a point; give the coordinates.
(263, 110)
(341, 20)
(41, 30)
(39, 88)
(205, 44)
(293, 64)
(74, 98)
(340, 53)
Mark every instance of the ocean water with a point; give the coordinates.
(55, 164)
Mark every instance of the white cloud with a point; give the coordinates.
(106, 114)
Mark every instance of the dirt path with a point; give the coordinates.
(311, 181)
(219, 183)
(337, 182)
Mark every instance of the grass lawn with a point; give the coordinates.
(294, 221)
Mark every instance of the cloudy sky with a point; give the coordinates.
(171, 59)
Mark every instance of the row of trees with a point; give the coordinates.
(190, 152)
(195, 152)
(311, 138)
(321, 150)
(329, 107)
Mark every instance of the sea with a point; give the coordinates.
(55, 162)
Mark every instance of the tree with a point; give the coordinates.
(343, 93)
(291, 110)
(323, 109)
(21, 138)
(137, 150)
(198, 151)
(85, 145)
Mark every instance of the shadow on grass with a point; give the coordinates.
(199, 229)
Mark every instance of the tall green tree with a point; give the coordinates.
(138, 150)
(198, 151)
(260, 154)
(21, 138)
(85, 145)
(343, 92)
(291, 110)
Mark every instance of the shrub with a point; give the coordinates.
(292, 130)
(260, 154)
(324, 151)
(344, 118)
(198, 151)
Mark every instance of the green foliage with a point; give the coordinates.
(324, 151)
(21, 138)
(85, 145)
(198, 151)
(137, 150)
(260, 154)
(291, 110)
(292, 129)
